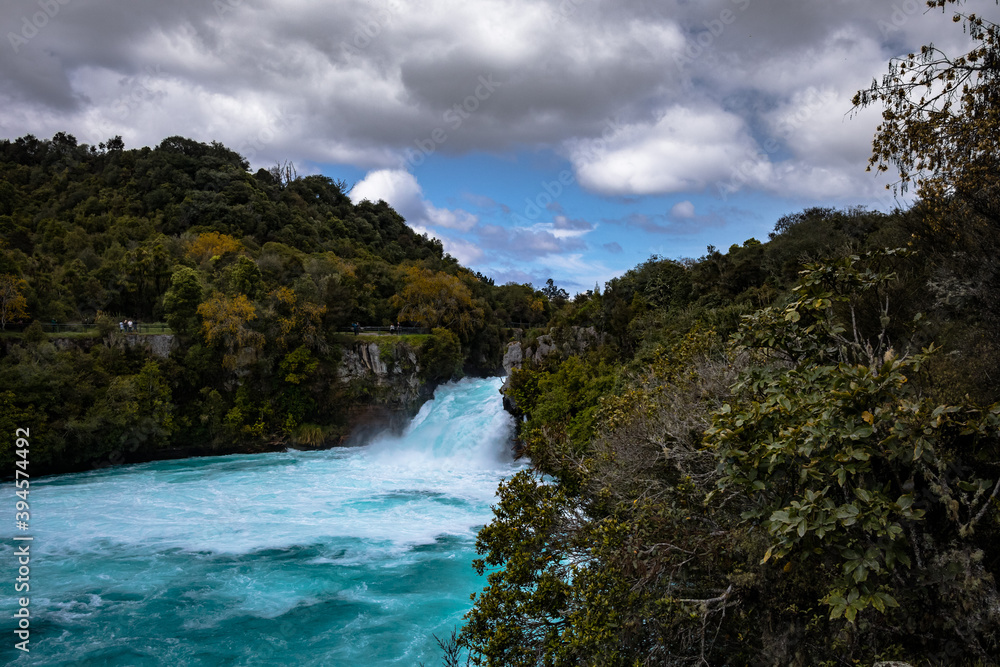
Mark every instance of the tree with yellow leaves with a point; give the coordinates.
(212, 244)
(226, 321)
(297, 319)
(12, 302)
(437, 299)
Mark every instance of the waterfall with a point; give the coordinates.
(350, 556)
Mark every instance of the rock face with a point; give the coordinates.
(384, 386)
(513, 357)
(360, 360)
(387, 375)
(158, 345)
(566, 342)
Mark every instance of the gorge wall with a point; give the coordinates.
(384, 384)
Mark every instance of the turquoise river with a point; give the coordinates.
(350, 556)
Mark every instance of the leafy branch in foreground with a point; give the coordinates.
(849, 469)
(941, 118)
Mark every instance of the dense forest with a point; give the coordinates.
(256, 275)
(787, 454)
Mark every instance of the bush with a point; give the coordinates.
(34, 333)
(441, 357)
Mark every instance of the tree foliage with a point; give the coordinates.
(941, 118)
(441, 356)
(226, 321)
(181, 301)
(212, 244)
(13, 305)
(839, 456)
(794, 496)
(438, 299)
(255, 277)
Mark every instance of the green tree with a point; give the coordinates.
(135, 411)
(15, 414)
(441, 356)
(611, 563)
(554, 293)
(180, 302)
(245, 277)
(297, 368)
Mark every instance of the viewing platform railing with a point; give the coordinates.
(385, 330)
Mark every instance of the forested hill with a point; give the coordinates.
(101, 228)
(254, 273)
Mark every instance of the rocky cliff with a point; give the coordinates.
(384, 384)
(385, 373)
(157, 345)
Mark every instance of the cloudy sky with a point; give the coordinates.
(569, 139)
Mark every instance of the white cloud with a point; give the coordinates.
(684, 150)
(563, 227)
(451, 219)
(466, 252)
(581, 273)
(527, 243)
(401, 191)
(682, 209)
(290, 80)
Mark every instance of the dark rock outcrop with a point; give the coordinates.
(385, 384)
